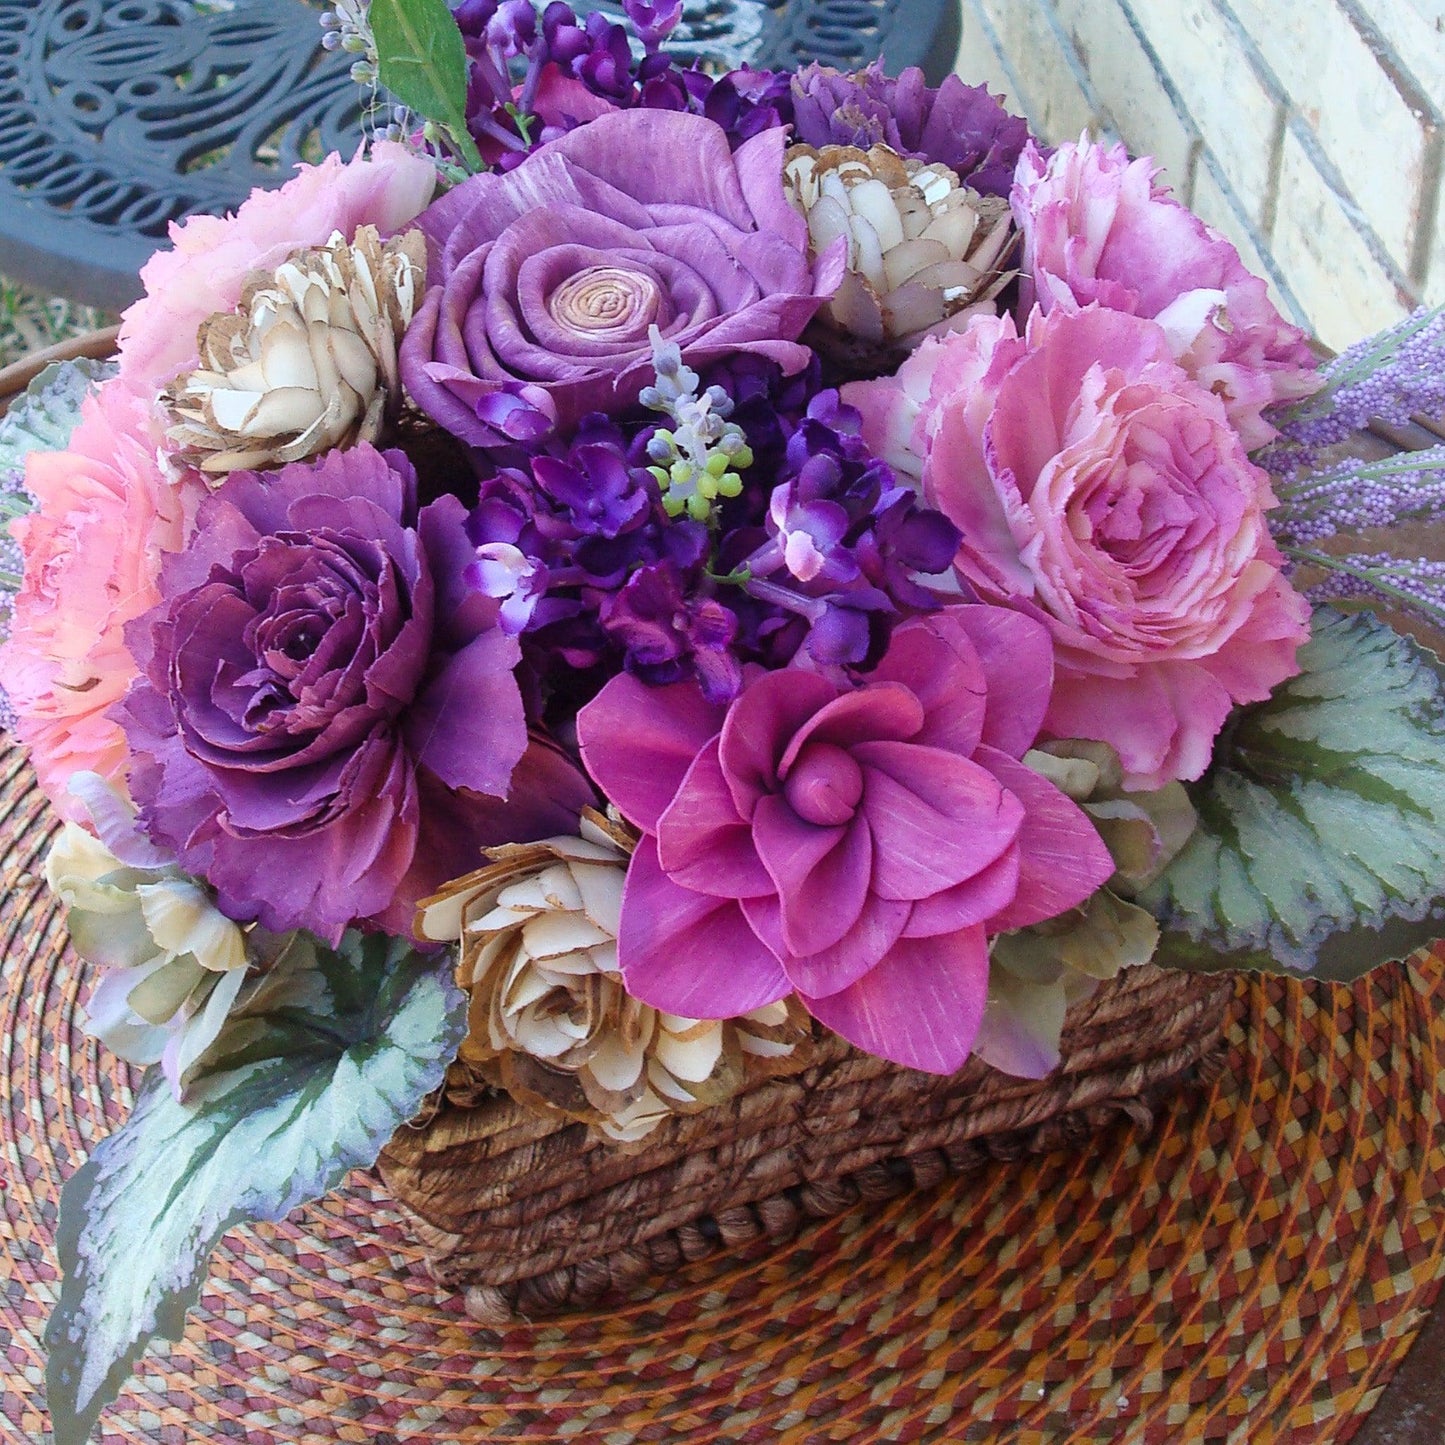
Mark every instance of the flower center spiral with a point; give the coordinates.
(824, 785)
(606, 301)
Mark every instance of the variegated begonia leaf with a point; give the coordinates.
(1321, 841)
(333, 1053)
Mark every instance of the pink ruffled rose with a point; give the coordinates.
(1102, 491)
(856, 845)
(205, 268)
(92, 553)
(1097, 228)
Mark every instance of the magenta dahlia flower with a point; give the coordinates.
(327, 724)
(856, 845)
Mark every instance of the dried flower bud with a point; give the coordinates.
(550, 1021)
(307, 362)
(925, 253)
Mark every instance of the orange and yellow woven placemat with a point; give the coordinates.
(1250, 1270)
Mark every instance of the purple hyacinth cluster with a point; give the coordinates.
(534, 78)
(814, 550)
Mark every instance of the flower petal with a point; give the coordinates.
(975, 900)
(937, 818)
(876, 929)
(759, 727)
(921, 1007)
(820, 874)
(702, 844)
(1017, 656)
(638, 743)
(688, 953)
(1062, 858)
(935, 660)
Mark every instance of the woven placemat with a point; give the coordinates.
(1251, 1270)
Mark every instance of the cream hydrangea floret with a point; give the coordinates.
(550, 1020)
(174, 965)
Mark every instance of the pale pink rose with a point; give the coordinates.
(206, 266)
(92, 551)
(1102, 491)
(1097, 228)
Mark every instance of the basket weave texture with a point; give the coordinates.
(534, 1216)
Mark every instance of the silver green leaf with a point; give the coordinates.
(422, 60)
(333, 1053)
(1321, 839)
(43, 419)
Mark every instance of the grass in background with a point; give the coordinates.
(30, 321)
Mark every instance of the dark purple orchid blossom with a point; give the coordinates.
(960, 126)
(327, 722)
(550, 276)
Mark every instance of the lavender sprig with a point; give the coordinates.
(1407, 487)
(1414, 585)
(1390, 377)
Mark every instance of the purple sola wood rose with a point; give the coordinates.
(547, 278)
(857, 845)
(327, 724)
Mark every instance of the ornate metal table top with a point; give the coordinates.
(120, 116)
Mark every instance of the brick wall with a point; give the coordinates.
(1309, 131)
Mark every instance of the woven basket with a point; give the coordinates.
(531, 1216)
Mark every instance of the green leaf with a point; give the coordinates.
(421, 59)
(333, 1054)
(43, 419)
(1321, 839)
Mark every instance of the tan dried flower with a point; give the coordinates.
(550, 1020)
(925, 253)
(307, 361)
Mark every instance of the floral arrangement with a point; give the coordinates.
(644, 564)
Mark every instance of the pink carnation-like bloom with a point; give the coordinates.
(92, 553)
(1102, 491)
(1097, 228)
(205, 269)
(856, 845)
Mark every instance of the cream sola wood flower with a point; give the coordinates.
(307, 362)
(550, 1021)
(925, 253)
(174, 965)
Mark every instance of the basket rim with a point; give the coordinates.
(89, 345)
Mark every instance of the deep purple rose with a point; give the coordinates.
(327, 721)
(551, 274)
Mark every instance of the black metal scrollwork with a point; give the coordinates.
(118, 117)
